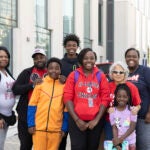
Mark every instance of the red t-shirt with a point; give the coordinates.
(36, 73)
(136, 100)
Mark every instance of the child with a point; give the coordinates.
(122, 120)
(46, 116)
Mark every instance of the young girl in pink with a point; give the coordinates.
(122, 120)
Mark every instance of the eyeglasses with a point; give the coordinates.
(118, 72)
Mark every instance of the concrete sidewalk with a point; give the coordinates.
(12, 141)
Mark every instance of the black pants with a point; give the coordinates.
(63, 143)
(24, 137)
(85, 140)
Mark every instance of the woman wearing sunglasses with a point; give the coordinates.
(118, 73)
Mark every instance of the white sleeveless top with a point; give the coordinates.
(7, 98)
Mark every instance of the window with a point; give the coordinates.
(43, 40)
(68, 16)
(8, 12)
(41, 13)
(43, 36)
(8, 20)
(100, 22)
(87, 41)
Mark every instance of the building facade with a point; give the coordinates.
(109, 27)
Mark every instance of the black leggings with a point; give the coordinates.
(85, 140)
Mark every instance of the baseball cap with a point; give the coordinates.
(38, 51)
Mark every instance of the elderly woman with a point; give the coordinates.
(118, 74)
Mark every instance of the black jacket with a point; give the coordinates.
(21, 87)
(68, 65)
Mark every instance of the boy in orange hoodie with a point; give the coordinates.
(47, 119)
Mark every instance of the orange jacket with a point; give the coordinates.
(45, 109)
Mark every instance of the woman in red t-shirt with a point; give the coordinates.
(118, 73)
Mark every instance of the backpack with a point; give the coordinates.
(76, 76)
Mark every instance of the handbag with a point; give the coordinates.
(10, 120)
(108, 145)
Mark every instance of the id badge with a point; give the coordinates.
(90, 102)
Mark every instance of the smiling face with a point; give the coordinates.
(71, 48)
(54, 70)
(132, 59)
(118, 74)
(122, 98)
(4, 60)
(88, 61)
(39, 61)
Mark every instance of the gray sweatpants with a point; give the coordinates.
(142, 135)
(3, 133)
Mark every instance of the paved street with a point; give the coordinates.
(12, 141)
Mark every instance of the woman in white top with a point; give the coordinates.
(7, 99)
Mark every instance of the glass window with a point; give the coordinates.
(68, 16)
(8, 20)
(100, 22)
(43, 37)
(41, 13)
(87, 41)
(8, 12)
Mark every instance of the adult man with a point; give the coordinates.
(24, 86)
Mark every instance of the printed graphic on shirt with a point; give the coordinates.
(88, 92)
(133, 78)
(9, 94)
(34, 76)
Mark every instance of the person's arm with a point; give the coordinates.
(147, 80)
(147, 118)
(136, 100)
(131, 127)
(128, 132)
(94, 122)
(68, 100)
(82, 125)
(22, 85)
(65, 121)
(116, 140)
(32, 107)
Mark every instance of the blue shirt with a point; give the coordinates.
(141, 79)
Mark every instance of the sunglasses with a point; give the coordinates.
(118, 72)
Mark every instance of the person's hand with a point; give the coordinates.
(31, 130)
(62, 79)
(118, 147)
(82, 125)
(117, 141)
(111, 110)
(147, 118)
(37, 81)
(92, 124)
(134, 110)
(2, 123)
(63, 134)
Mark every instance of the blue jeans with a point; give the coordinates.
(142, 135)
(108, 130)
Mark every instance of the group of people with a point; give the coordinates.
(73, 95)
